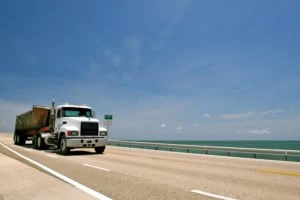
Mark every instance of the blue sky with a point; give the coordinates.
(177, 69)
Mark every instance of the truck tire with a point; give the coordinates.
(99, 150)
(39, 142)
(19, 139)
(16, 139)
(34, 141)
(64, 150)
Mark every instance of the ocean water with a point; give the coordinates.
(259, 144)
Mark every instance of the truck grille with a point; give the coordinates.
(89, 128)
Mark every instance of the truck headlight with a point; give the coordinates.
(103, 133)
(73, 133)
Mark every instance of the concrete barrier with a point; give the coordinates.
(227, 150)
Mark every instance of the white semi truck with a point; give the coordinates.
(64, 127)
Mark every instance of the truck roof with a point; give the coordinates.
(73, 106)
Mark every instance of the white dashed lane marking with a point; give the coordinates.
(212, 195)
(104, 169)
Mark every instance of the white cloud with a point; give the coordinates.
(158, 44)
(93, 70)
(237, 116)
(163, 125)
(250, 114)
(127, 76)
(129, 57)
(206, 115)
(238, 132)
(179, 128)
(32, 58)
(260, 132)
(195, 125)
(268, 112)
(167, 32)
(170, 13)
(113, 58)
(133, 47)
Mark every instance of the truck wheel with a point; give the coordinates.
(39, 142)
(99, 150)
(15, 138)
(64, 150)
(34, 141)
(19, 139)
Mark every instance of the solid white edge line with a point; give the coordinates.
(97, 167)
(62, 177)
(212, 195)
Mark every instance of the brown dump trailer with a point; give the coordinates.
(31, 122)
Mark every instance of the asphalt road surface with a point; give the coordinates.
(125, 173)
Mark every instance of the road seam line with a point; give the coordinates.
(62, 177)
(212, 195)
(104, 169)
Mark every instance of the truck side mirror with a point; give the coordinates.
(94, 114)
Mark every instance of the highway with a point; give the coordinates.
(125, 173)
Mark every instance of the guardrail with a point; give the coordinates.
(188, 148)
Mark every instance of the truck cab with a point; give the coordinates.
(77, 127)
(64, 127)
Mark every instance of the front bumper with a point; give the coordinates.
(86, 142)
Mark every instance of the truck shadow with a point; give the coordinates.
(72, 153)
(81, 153)
(28, 146)
(77, 152)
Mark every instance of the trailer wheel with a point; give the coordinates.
(99, 150)
(39, 142)
(64, 150)
(16, 138)
(19, 139)
(34, 141)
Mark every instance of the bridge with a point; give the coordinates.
(132, 173)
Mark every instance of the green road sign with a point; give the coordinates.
(108, 117)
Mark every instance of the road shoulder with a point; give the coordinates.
(19, 181)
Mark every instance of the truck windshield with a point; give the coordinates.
(77, 112)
